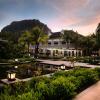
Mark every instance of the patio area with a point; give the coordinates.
(92, 93)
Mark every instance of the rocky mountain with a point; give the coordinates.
(16, 28)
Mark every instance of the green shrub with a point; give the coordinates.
(7, 97)
(97, 70)
(63, 89)
(36, 80)
(82, 78)
(59, 73)
(26, 96)
(63, 85)
(42, 88)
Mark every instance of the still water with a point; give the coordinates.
(23, 70)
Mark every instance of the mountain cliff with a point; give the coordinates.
(16, 28)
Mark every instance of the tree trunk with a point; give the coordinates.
(36, 50)
(28, 48)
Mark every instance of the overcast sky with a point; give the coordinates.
(80, 15)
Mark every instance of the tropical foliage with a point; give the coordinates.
(63, 85)
(39, 37)
(13, 31)
(26, 40)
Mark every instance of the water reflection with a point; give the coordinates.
(24, 70)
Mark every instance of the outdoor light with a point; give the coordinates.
(16, 67)
(63, 67)
(11, 75)
(16, 60)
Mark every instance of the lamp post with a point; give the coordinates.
(16, 67)
(16, 60)
(11, 75)
(63, 67)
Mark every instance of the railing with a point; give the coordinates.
(56, 46)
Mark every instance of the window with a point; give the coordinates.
(65, 53)
(55, 42)
(49, 43)
(63, 42)
(72, 53)
(56, 51)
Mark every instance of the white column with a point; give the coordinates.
(51, 52)
(52, 43)
(63, 52)
(75, 53)
(81, 53)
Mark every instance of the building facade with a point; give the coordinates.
(56, 46)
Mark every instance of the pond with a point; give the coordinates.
(24, 70)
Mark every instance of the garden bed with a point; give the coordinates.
(63, 85)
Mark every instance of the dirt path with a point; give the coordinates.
(92, 93)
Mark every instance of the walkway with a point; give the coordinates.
(5, 81)
(92, 93)
(67, 63)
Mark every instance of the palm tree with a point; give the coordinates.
(39, 37)
(88, 44)
(26, 39)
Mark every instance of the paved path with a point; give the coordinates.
(92, 93)
(67, 63)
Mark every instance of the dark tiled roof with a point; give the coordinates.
(56, 35)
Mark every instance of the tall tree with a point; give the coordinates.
(88, 45)
(39, 37)
(74, 37)
(26, 40)
(98, 35)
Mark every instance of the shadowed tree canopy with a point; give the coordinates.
(39, 37)
(26, 39)
(33, 37)
(98, 35)
(74, 37)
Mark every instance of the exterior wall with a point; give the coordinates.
(62, 52)
(57, 43)
(55, 47)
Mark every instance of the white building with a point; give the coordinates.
(56, 46)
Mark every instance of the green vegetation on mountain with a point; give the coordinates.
(19, 34)
(13, 31)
